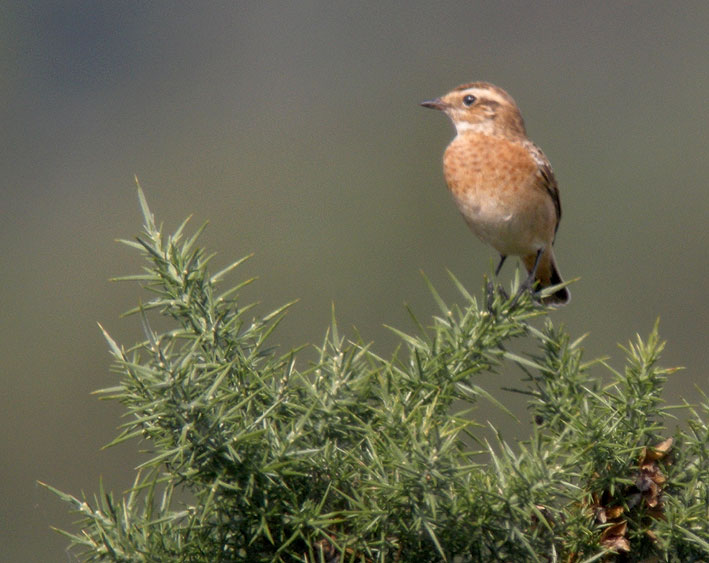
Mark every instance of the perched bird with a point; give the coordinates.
(501, 182)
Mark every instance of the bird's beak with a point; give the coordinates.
(434, 104)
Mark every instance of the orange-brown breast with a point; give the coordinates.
(496, 185)
(487, 163)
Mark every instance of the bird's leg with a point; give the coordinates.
(503, 257)
(491, 285)
(501, 289)
(528, 284)
(489, 295)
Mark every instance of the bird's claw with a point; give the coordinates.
(491, 290)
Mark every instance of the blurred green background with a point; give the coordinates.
(294, 128)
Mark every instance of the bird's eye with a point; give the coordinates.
(469, 100)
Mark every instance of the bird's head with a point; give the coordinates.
(480, 107)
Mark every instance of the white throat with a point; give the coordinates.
(483, 127)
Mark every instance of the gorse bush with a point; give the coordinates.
(356, 457)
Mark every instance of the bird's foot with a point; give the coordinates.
(526, 286)
(491, 290)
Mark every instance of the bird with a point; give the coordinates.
(502, 183)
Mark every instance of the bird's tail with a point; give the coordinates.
(547, 275)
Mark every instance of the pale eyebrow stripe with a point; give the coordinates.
(489, 94)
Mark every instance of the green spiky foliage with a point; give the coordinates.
(355, 457)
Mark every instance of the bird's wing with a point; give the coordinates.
(546, 180)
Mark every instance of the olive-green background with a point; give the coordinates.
(294, 128)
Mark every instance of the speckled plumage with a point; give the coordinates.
(501, 182)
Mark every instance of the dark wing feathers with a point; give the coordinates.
(548, 181)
